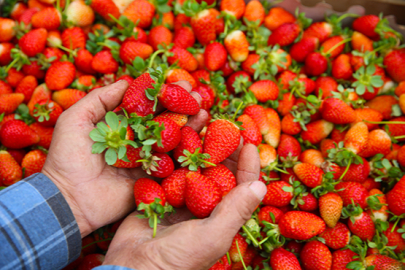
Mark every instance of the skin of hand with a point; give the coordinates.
(98, 194)
(197, 243)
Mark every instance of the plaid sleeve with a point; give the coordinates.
(112, 267)
(37, 227)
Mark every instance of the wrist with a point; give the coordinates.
(81, 220)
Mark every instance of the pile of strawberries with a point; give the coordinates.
(323, 103)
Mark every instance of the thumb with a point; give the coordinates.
(97, 103)
(236, 208)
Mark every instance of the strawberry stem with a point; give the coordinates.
(240, 255)
(280, 170)
(152, 58)
(395, 225)
(264, 240)
(250, 236)
(11, 64)
(228, 257)
(155, 218)
(385, 122)
(347, 15)
(399, 137)
(347, 168)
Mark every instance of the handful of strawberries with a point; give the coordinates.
(323, 103)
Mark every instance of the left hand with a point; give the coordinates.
(98, 194)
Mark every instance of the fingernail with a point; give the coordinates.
(259, 189)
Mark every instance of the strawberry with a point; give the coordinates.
(159, 165)
(360, 223)
(73, 38)
(190, 141)
(202, 194)
(237, 45)
(316, 255)
(183, 58)
(288, 150)
(356, 138)
(5, 53)
(135, 99)
(328, 85)
(254, 13)
(278, 16)
(60, 75)
(250, 133)
(300, 50)
(337, 237)
(317, 131)
(221, 140)
(222, 176)
(176, 75)
(215, 56)
(16, 134)
(279, 193)
(104, 62)
(300, 225)
(340, 258)
(248, 64)
(397, 129)
(268, 156)
(235, 8)
(273, 136)
(264, 90)
(378, 142)
(349, 191)
(309, 174)
(366, 25)
(382, 262)
(281, 259)
(341, 67)
(159, 35)
(140, 12)
(184, 37)
(105, 8)
(332, 42)
(132, 49)
(361, 43)
(10, 171)
(230, 82)
(312, 156)
(41, 92)
(27, 87)
(395, 238)
(83, 61)
(48, 18)
(315, 64)
(14, 77)
(33, 42)
(330, 207)
(133, 154)
(393, 61)
(289, 126)
(284, 35)
(337, 111)
(307, 203)
(80, 14)
(320, 30)
(395, 198)
(264, 214)
(7, 31)
(383, 104)
(368, 114)
(67, 97)
(207, 96)
(47, 113)
(286, 103)
(10, 102)
(33, 162)
(240, 243)
(174, 187)
(17, 154)
(203, 25)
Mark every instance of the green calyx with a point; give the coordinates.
(148, 132)
(328, 185)
(227, 117)
(154, 212)
(195, 160)
(269, 62)
(149, 163)
(112, 137)
(366, 80)
(158, 75)
(44, 111)
(192, 8)
(98, 40)
(351, 211)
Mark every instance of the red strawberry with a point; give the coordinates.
(184, 37)
(361, 224)
(190, 141)
(17, 154)
(341, 68)
(316, 256)
(327, 84)
(207, 96)
(300, 225)
(202, 194)
(221, 175)
(357, 172)
(332, 42)
(133, 155)
(83, 61)
(288, 150)
(140, 12)
(33, 42)
(281, 259)
(104, 62)
(278, 16)
(10, 102)
(315, 64)
(395, 198)
(393, 61)
(233, 250)
(176, 75)
(183, 58)
(349, 191)
(146, 190)
(320, 30)
(48, 18)
(279, 193)
(33, 162)
(73, 38)
(105, 8)
(203, 24)
(174, 187)
(7, 31)
(317, 131)
(289, 126)
(337, 237)
(221, 140)
(302, 48)
(250, 133)
(366, 25)
(27, 87)
(132, 49)
(47, 113)
(135, 100)
(10, 171)
(60, 75)
(234, 8)
(395, 238)
(309, 174)
(378, 142)
(340, 258)
(264, 90)
(170, 136)
(330, 208)
(67, 97)
(5, 53)
(382, 262)
(160, 165)
(284, 35)
(16, 134)
(215, 56)
(264, 214)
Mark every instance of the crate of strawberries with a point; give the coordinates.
(320, 95)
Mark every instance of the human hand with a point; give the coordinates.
(98, 194)
(194, 244)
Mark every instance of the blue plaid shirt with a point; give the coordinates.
(37, 227)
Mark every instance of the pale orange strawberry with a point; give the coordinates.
(254, 12)
(267, 154)
(184, 59)
(368, 114)
(383, 104)
(79, 14)
(259, 116)
(356, 138)
(140, 12)
(378, 142)
(10, 102)
(7, 31)
(312, 156)
(278, 16)
(361, 43)
(309, 174)
(10, 171)
(33, 162)
(67, 97)
(233, 7)
(237, 45)
(159, 35)
(272, 137)
(264, 90)
(330, 208)
(27, 87)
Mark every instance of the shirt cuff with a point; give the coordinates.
(112, 267)
(37, 227)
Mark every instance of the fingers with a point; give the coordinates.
(232, 161)
(198, 121)
(185, 84)
(248, 164)
(235, 209)
(96, 104)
